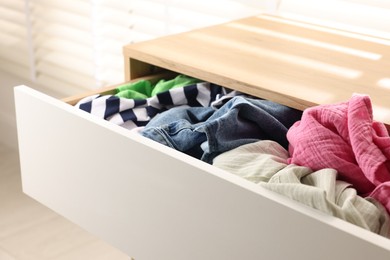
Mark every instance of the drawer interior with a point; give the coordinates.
(111, 89)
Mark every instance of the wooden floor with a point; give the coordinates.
(30, 231)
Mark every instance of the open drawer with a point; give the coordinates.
(153, 202)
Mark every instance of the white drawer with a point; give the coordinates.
(153, 202)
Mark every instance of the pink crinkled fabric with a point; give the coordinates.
(344, 137)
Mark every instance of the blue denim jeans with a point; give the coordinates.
(205, 132)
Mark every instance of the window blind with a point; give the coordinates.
(14, 45)
(63, 43)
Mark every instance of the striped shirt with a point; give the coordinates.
(132, 113)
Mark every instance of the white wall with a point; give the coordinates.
(371, 17)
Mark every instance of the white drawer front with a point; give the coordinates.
(153, 202)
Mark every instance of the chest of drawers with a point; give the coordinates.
(153, 202)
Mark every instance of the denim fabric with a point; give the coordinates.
(205, 132)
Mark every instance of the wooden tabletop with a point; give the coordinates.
(289, 62)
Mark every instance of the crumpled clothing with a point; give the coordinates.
(144, 89)
(265, 163)
(133, 113)
(345, 137)
(206, 132)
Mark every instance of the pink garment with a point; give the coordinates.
(344, 137)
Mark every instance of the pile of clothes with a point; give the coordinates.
(334, 158)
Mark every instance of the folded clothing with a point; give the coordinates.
(344, 137)
(265, 163)
(208, 131)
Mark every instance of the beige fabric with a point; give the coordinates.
(265, 163)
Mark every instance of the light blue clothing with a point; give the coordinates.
(205, 132)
